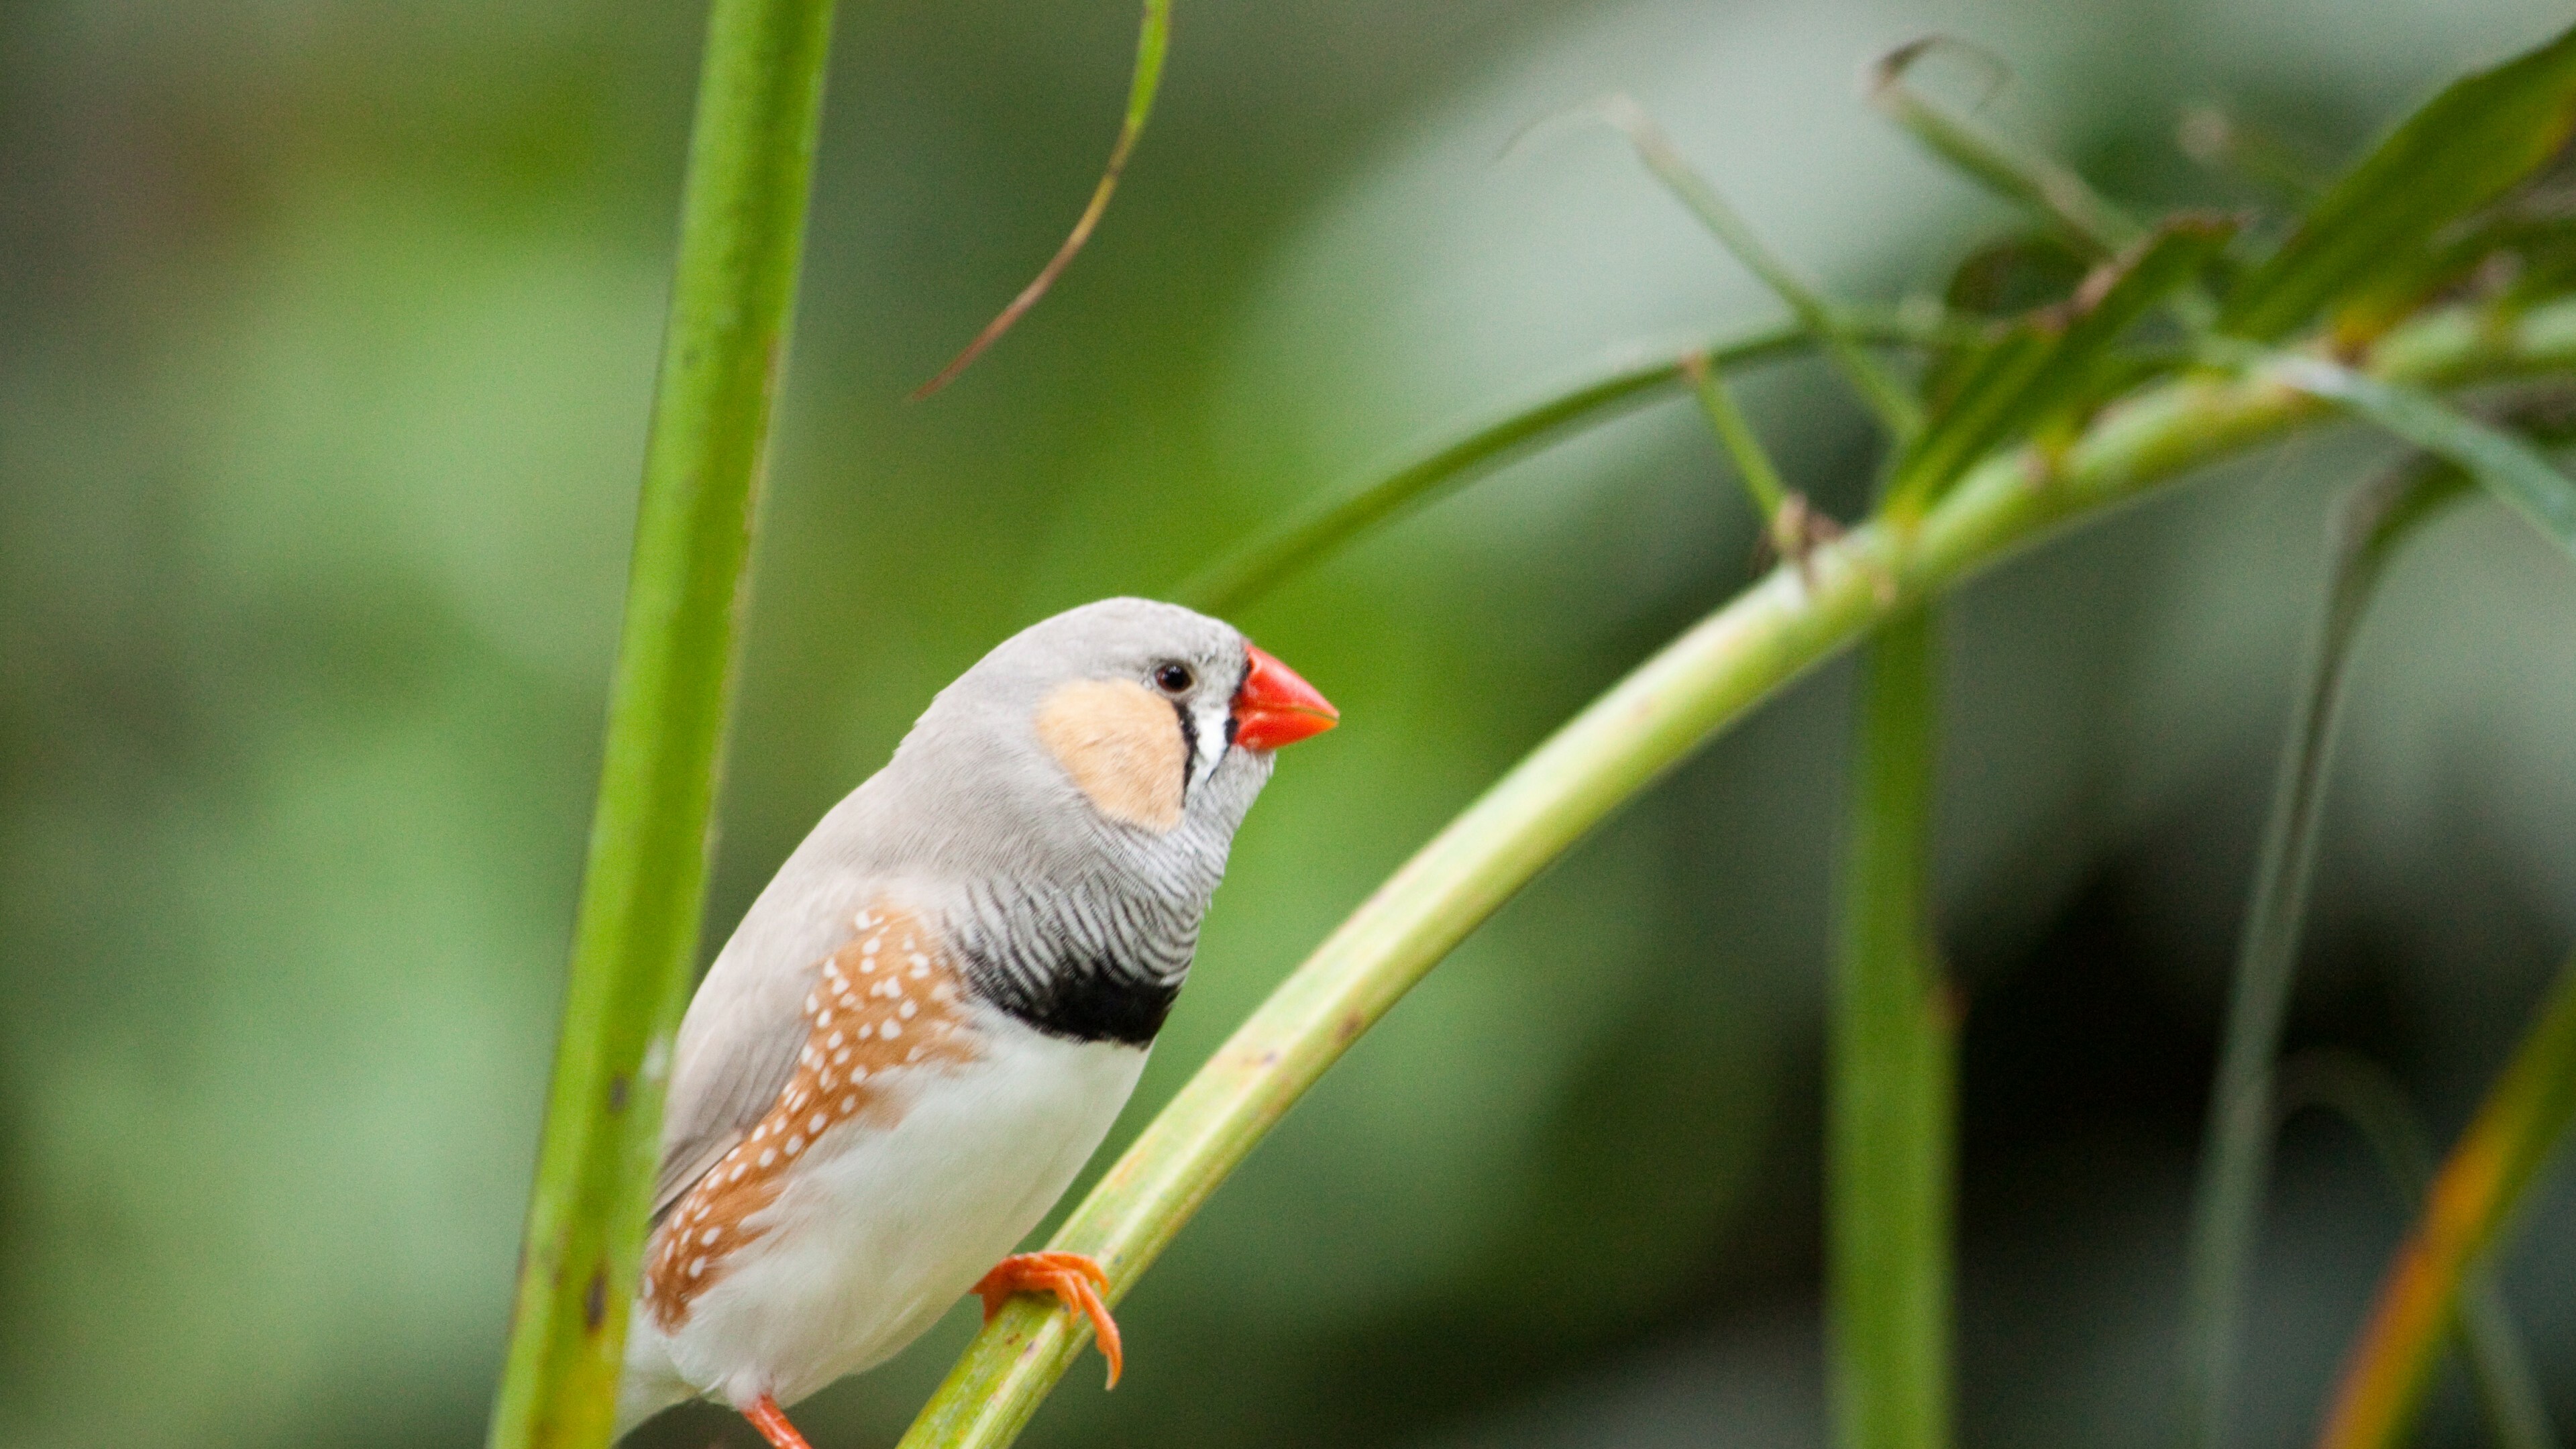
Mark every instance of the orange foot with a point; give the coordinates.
(771, 1421)
(1074, 1279)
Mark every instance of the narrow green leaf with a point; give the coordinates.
(2236, 1157)
(2045, 363)
(1246, 571)
(1697, 685)
(1896, 409)
(1735, 432)
(2370, 231)
(742, 224)
(1891, 1071)
(1989, 396)
(2521, 247)
(2000, 282)
(2507, 466)
(2364, 1094)
(2053, 191)
(2488, 1174)
(1153, 41)
(2500, 1365)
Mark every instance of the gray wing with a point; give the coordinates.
(744, 1058)
(738, 1044)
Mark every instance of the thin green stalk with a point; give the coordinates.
(2499, 458)
(2362, 1093)
(1153, 42)
(2045, 367)
(742, 220)
(1890, 1071)
(1254, 566)
(2472, 1199)
(1896, 408)
(1667, 707)
(2036, 182)
(1734, 430)
(2236, 1160)
(2500, 1365)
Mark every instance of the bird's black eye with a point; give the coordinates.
(1174, 678)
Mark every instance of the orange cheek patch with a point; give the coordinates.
(888, 1002)
(1122, 745)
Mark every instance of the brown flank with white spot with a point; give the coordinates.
(887, 1002)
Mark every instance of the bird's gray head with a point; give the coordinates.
(1121, 737)
(1067, 804)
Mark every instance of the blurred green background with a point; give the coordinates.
(326, 336)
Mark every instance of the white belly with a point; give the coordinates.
(883, 1228)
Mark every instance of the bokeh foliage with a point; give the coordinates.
(323, 383)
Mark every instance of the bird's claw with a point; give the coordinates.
(1074, 1280)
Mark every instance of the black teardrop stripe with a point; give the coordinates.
(1189, 747)
(1082, 1000)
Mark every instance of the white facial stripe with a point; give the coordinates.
(1210, 715)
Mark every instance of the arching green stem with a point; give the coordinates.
(1670, 705)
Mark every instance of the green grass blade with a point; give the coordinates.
(2507, 466)
(1891, 1118)
(2048, 362)
(1762, 481)
(2051, 190)
(2508, 1389)
(1668, 706)
(2365, 241)
(2472, 1200)
(2236, 1157)
(2362, 1093)
(1252, 568)
(1987, 407)
(1895, 407)
(751, 158)
(2500, 1365)
(1153, 42)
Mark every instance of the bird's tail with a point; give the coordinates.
(650, 1382)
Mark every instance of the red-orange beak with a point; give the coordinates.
(1274, 707)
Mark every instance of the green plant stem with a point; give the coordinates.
(2043, 185)
(1896, 409)
(2506, 463)
(2236, 1157)
(1254, 566)
(751, 154)
(2473, 1197)
(1153, 42)
(2500, 1365)
(1890, 1071)
(1734, 430)
(1671, 704)
(2363, 1093)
